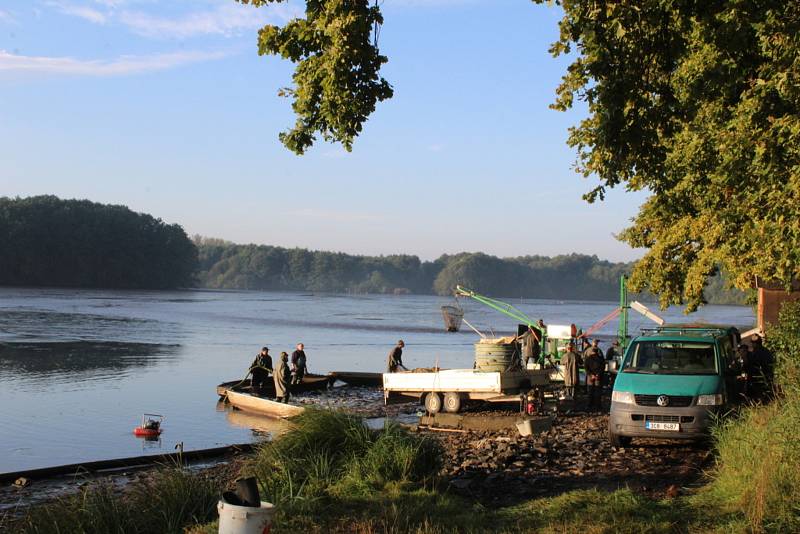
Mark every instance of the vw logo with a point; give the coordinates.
(662, 400)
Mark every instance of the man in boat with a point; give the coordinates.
(299, 368)
(283, 379)
(261, 368)
(396, 358)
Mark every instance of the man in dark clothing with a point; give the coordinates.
(299, 368)
(595, 366)
(745, 363)
(763, 364)
(261, 368)
(613, 351)
(395, 359)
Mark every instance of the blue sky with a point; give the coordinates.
(166, 107)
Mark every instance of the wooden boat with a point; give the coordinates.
(358, 378)
(251, 403)
(310, 382)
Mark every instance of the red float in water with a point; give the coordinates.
(150, 426)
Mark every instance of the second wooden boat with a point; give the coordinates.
(261, 405)
(358, 378)
(310, 383)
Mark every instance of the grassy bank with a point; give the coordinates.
(332, 474)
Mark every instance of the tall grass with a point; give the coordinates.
(331, 460)
(332, 453)
(758, 466)
(170, 501)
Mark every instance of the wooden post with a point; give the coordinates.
(771, 298)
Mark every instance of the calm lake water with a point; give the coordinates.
(78, 368)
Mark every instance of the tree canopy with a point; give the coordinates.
(47, 241)
(695, 101)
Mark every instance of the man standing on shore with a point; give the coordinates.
(595, 366)
(396, 358)
(569, 363)
(299, 368)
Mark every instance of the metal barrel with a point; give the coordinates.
(494, 356)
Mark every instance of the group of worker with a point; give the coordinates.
(594, 362)
(756, 366)
(285, 374)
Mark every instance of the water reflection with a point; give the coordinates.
(78, 360)
(259, 423)
(26, 325)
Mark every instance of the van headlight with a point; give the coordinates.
(710, 400)
(623, 397)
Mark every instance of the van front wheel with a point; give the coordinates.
(617, 441)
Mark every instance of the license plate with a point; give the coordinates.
(650, 425)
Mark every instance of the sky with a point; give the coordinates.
(166, 107)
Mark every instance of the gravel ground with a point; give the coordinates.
(502, 468)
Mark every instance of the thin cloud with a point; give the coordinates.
(81, 11)
(5, 16)
(121, 66)
(226, 20)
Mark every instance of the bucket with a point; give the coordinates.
(494, 356)
(524, 427)
(235, 519)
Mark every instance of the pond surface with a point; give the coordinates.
(79, 367)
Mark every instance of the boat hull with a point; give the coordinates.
(260, 405)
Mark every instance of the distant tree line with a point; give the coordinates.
(47, 241)
(225, 265)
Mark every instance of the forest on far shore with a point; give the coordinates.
(51, 242)
(225, 265)
(47, 241)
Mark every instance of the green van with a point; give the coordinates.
(671, 380)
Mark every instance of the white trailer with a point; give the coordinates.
(448, 389)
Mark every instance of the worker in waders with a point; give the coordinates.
(531, 348)
(595, 366)
(299, 368)
(283, 379)
(569, 363)
(261, 368)
(395, 359)
(763, 363)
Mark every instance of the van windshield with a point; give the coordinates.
(671, 358)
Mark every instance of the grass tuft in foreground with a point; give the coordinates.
(329, 454)
(172, 500)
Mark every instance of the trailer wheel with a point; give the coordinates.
(452, 402)
(433, 402)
